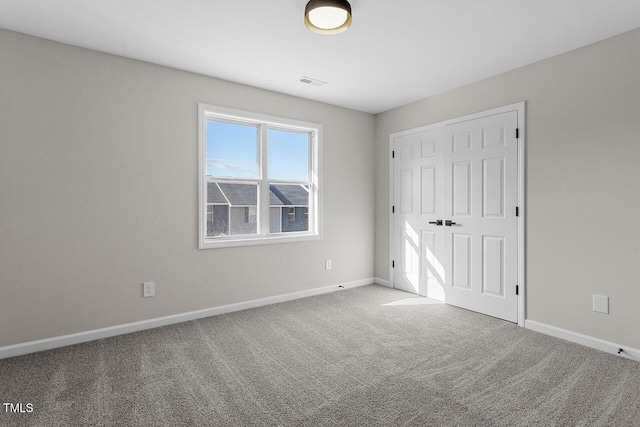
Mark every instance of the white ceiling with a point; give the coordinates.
(396, 51)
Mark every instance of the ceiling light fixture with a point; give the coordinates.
(327, 17)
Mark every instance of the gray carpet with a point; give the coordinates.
(362, 357)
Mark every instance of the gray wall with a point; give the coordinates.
(583, 180)
(98, 193)
(301, 222)
(238, 224)
(275, 218)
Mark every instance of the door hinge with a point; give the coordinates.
(517, 133)
(393, 209)
(393, 264)
(517, 289)
(517, 211)
(393, 154)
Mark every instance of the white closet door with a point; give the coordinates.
(455, 231)
(418, 197)
(480, 199)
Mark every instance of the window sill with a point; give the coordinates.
(257, 240)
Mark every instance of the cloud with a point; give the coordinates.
(227, 168)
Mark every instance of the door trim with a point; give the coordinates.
(520, 109)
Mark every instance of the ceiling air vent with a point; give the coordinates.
(312, 82)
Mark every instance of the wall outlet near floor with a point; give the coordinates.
(148, 289)
(600, 304)
(327, 264)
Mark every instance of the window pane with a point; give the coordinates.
(217, 220)
(232, 150)
(232, 209)
(289, 208)
(288, 155)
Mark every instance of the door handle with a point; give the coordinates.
(449, 223)
(436, 222)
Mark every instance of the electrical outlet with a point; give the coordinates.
(600, 304)
(148, 289)
(327, 264)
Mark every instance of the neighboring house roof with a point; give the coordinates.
(214, 195)
(273, 199)
(246, 195)
(295, 195)
(240, 194)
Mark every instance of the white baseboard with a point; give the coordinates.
(382, 282)
(586, 340)
(65, 340)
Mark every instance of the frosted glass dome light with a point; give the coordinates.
(327, 16)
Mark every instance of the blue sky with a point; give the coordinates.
(232, 152)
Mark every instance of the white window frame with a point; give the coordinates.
(264, 123)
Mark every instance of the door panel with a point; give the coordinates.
(493, 136)
(493, 186)
(432, 268)
(410, 265)
(461, 260)
(406, 191)
(406, 152)
(461, 188)
(428, 189)
(493, 265)
(428, 147)
(461, 142)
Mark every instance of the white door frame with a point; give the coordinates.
(520, 109)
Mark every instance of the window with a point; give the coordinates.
(250, 215)
(259, 179)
